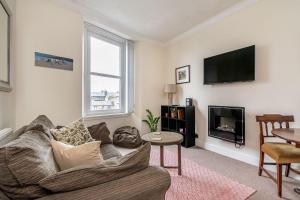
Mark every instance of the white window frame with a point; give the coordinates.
(126, 76)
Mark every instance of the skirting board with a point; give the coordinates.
(252, 160)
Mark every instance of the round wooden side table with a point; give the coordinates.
(164, 138)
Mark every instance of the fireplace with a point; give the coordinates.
(227, 123)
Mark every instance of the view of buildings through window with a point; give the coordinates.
(105, 75)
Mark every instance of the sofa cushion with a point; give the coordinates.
(10, 136)
(6, 177)
(24, 162)
(100, 132)
(68, 156)
(111, 169)
(20, 131)
(41, 123)
(109, 151)
(74, 134)
(28, 158)
(3, 196)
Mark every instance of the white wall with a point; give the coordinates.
(46, 26)
(7, 99)
(150, 77)
(273, 26)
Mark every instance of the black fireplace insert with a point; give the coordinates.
(227, 123)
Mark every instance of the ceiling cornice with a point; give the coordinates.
(94, 17)
(227, 12)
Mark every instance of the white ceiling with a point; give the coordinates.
(160, 20)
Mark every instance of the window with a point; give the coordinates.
(108, 76)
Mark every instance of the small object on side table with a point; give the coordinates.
(156, 139)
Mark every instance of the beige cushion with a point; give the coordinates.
(75, 133)
(87, 176)
(68, 156)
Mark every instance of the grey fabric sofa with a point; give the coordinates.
(150, 183)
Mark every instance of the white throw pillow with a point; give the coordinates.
(75, 133)
(69, 156)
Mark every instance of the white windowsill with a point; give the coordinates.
(106, 116)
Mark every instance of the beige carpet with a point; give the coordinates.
(241, 172)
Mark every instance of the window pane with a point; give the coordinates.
(105, 93)
(105, 57)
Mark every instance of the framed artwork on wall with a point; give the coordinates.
(4, 47)
(182, 74)
(51, 61)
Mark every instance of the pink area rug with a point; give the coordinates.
(199, 183)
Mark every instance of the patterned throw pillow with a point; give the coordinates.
(75, 134)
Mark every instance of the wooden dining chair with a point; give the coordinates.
(282, 152)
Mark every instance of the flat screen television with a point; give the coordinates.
(233, 66)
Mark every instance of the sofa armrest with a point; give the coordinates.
(148, 184)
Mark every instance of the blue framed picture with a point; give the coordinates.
(51, 61)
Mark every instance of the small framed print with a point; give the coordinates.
(51, 61)
(182, 74)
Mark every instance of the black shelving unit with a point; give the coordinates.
(183, 123)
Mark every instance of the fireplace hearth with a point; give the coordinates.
(227, 123)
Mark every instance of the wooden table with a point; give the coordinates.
(290, 135)
(167, 138)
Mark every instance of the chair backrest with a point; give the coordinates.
(273, 119)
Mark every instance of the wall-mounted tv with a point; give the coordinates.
(233, 66)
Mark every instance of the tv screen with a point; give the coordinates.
(238, 65)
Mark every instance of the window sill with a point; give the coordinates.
(107, 116)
